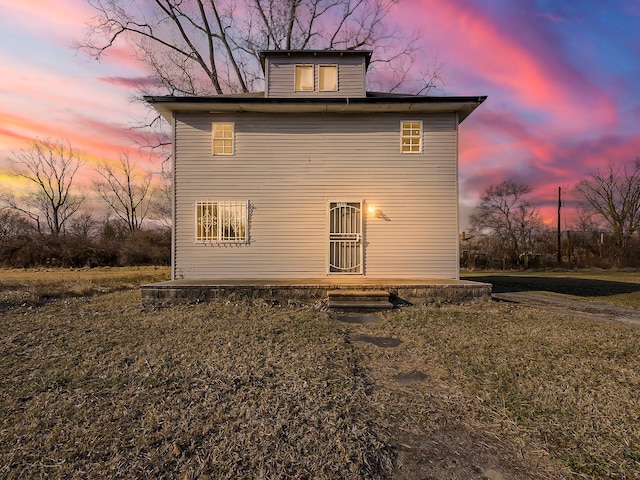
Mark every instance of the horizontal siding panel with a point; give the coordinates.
(289, 179)
(281, 76)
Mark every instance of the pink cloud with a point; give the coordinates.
(44, 18)
(61, 24)
(574, 160)
(35, 91)
(128, 82)
(95, 141)
(123, 57)
(530, 76)
(17, 129)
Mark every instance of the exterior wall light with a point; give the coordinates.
(375, 212)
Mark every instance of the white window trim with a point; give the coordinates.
(320, 66)
(420, 137)
(223, 219)
(233, 139)
(295, 77)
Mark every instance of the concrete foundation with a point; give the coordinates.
(402, 292)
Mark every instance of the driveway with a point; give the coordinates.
(573, 295)
(599, 311)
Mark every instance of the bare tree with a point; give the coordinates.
(506, 216)
(614, 196)
(83, 226)
(50, 167)
(211, 46)
(127, 191)
(161, 207)
(12, 224)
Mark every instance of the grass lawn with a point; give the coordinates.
(95, 386)
(37, 285)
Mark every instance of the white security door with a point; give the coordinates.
(345, 237)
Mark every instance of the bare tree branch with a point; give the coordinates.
(506, 215)
(614, 196)
(128, 193)
(50, 167)
(198, 47)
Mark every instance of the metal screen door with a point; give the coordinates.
(345, 237)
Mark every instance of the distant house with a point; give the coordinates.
(315, 178)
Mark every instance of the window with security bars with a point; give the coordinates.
(221, 221)
(411, 137)
(222, 138)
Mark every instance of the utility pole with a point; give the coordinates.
(559, 231)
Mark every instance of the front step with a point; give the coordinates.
(359, 300)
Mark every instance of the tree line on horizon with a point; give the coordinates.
(51, 221)
(507, 230)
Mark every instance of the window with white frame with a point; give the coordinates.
(304, 78)
(328, 78)
(411, 136)
(221, 221)
(223, 138)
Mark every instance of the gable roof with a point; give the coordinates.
(373, 103)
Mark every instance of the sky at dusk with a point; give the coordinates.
(562, 79)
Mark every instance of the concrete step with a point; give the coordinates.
(359, 300)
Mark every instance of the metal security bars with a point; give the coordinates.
(221, 221)
(345, 237)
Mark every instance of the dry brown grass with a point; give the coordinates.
(551, 385)
(35, 286)
(98, 387)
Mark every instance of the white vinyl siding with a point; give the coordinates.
(282, 83)
(222, 138)
(411, 136)
(328, 78)
(304, 78)
(291, 166)
(221, 221)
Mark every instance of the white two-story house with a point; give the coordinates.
(315, 178)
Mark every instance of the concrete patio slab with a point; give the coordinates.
(402, 291)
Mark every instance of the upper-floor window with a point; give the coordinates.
(411, 136)
(218, 221)
(328, 78)
(304, 78)
(222, 138)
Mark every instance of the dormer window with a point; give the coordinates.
(328, 78)
(304, 78)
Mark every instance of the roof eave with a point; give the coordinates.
(464, 106)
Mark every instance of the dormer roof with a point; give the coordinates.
(314, 53)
